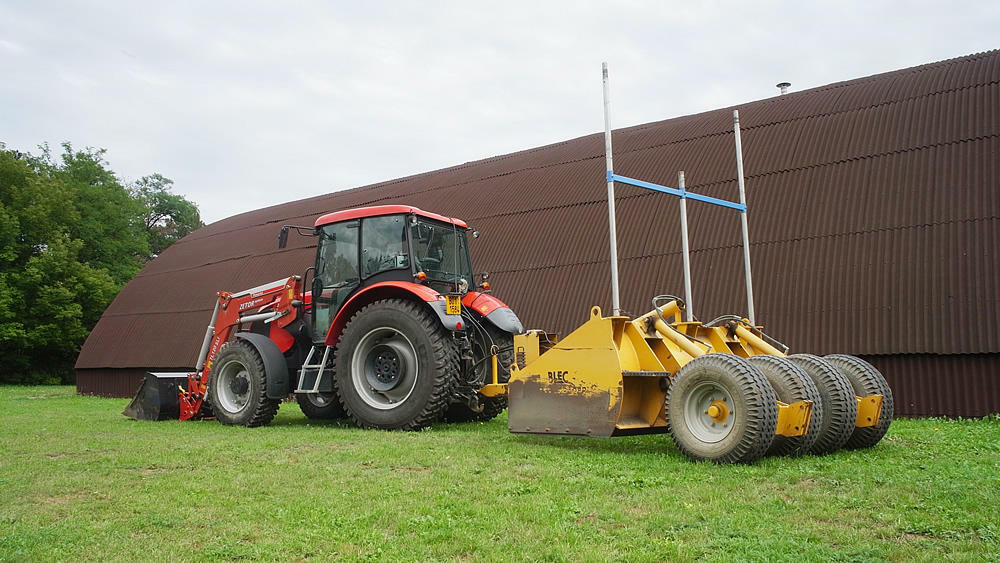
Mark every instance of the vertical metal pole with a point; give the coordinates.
(615, 304)
(743, 218)
(685, 251)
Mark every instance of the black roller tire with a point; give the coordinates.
(840, 408)
(492, 406)
(396, 366)
(735, 383)
(237, 387)
(866, 380)
(320, 406)
(791, 385)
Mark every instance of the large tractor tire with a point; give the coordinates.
(840, 408)
(237, 387)
(866, 380)
(791, 385)
(396, 366)
(320, 406)
(492, 406)
(721, 408)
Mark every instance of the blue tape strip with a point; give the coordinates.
(612, 177)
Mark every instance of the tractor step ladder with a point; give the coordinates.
(307, 369)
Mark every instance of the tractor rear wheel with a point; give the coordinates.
(791, 385)
(866, 380)
(721, 408)
(492, 406)
(237, 387)
(320, 406)
(396, 366)
(840, 408)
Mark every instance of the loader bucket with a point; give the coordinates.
(157, 397)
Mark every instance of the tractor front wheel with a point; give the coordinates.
(396, 366)
(237, 387)
(721, 408)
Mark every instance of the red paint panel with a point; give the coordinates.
(482, 303)
(378, 291)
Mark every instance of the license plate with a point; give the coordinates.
(453, 305)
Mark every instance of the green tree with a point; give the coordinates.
(71, 235)
(169, 217)
(109, 220)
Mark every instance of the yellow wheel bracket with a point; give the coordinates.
(869, 411)
(793, 419)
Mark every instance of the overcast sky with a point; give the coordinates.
(250, 104)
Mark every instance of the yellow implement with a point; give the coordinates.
(723, 390)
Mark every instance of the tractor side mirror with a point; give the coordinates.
(283, 237)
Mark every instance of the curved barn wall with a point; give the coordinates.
(874, 222)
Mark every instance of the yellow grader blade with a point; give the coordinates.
(601, 380)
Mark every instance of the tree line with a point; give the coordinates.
(72, 234)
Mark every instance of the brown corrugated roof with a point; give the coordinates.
(874, 220)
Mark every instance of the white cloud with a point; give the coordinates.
(252, 104)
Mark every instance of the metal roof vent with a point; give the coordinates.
(783, 86)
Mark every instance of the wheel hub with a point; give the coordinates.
(233, 387)
(239, 385)
(708, 412)
(718, 410)
(383, 368)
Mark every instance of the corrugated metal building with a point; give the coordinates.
(874, 221)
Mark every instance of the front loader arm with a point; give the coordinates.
(274, 302)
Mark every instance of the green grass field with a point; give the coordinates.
(80, 481)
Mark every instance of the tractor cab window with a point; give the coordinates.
(383, 244)
(336, 272)
(440, 250)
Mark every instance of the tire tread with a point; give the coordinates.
(866, 380)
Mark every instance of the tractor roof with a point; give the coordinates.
(360, 212)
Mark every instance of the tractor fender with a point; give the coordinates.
(494, 310)
(389, 290)
(275, 367)
(505, 319)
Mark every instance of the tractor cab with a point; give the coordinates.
(359, 248)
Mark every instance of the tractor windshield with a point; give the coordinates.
(441, 251)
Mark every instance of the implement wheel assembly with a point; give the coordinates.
(722, 409)
(396, 366)
(866, 380)
(839, 406)
(237, 387)
(791, 385)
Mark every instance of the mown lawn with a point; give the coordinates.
(80, 481)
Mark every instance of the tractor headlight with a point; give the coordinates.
(463, 285)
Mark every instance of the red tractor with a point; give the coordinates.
(393, 333)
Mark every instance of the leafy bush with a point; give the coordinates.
(71, 235)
